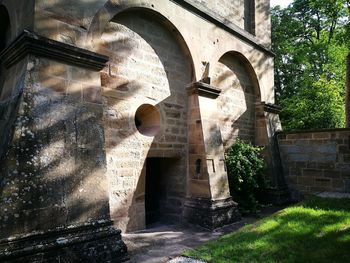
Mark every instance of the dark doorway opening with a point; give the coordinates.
(164, 190)
(154, 190)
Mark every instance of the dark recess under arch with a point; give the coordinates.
(4, 27)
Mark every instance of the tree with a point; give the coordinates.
(347, 97)
(309, 41)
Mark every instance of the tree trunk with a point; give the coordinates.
(347, 96)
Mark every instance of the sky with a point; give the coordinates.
(282, 3)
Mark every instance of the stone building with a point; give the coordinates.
(116, 113)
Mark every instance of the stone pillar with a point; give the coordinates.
(208, 203)
(267, 126)
(53, 187)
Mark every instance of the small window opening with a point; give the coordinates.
(147, 120)
(198, 167)
(249, 16)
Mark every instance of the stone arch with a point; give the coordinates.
(235, 76)
(148, 64)
(112, 8)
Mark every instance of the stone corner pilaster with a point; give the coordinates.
(211, 214)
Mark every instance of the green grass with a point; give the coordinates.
(317, 230)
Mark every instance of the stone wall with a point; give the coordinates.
(78, 160)
(236, 101)
(81, 23)
(54, 121)
(52, 177)
(233, 11)
(252, 16)
(147, 66)
(316, 161)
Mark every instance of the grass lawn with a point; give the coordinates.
(317, 230)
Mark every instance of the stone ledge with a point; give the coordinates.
(269, 107)
(337, 195)
(73, 243)
(314, 131)
(211, 214)
(203, 89)
(272, 108)
(31, 43)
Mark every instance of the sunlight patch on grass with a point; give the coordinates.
(317, 230)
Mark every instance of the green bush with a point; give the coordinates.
(245, 167)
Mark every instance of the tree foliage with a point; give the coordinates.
(310, 42)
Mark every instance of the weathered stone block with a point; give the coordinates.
(328, 166)
(323, 182)
(305, 180)
(338, 184)
(332, 173)
(312, 172)
(344, 149)
(97, 242)
(324, 135)
(211, 214)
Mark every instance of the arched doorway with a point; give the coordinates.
(149, 65)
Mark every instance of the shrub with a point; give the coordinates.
(245, 167)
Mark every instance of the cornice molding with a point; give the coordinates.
(31, 43)
(203, 89)
(224, 24)
(272, 108)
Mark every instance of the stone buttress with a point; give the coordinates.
(54, 197)
(208, 203)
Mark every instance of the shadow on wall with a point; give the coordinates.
(161, 69)
(55, 167)
(54, 171)
(66, 117)
(236, 102)
(70, 133)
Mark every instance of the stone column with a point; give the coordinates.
(267, 126)
(53, 187)
(208, 203)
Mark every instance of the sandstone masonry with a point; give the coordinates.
(316, 161)
(115, 114)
